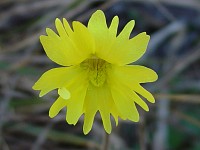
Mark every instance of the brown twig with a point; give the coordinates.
(189, 98)
(187, 118)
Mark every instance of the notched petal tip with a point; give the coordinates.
(114, 26)
(42, 93)
(97, 15)
(115, 22)
(116, 119)
(37, 86)
(155, 76)
(86, 131)
(132, 23)
(42, 38)
(152, 100)
(67, 26)
(135, 118)
(64, 20)
(99, 12)
(150, 97)
(125, 33)
(69, 122)
(48, 31)
(145, 36)
(77, 24)
(56, 107)
(116, 18)
(51, 115)
(57, 20)
(34, 87)
(108, 131)
(146, 109)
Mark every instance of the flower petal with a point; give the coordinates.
(83, 39)
(114, 26)
(125, 33)
(139, 101)
(134, 74)
(135, 48)
(67, 27)
(98, 28)
(57, 106)
(106, 121)
(56, 78)
(64, 93)
(124, 51)
(65, 49)
(60, 28)
(99, 98)
(75, 105)
(134, 97)
(88, 122)
(140, 90)
(115, 114)
(60, 50)
(90, 108)
(124, 105)
(106, 103)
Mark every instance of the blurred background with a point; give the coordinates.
(173, 122)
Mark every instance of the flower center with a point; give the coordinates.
(97, 70)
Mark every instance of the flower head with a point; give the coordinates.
(95, 73)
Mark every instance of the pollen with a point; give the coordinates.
(97, 70)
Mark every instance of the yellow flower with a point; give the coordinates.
(95, 75)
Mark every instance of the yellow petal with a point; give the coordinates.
(75, 105)
(134, 74)
(125, 34)
(125, 105)
(91, 103)
(124, 51)
(134, 97)
(139, 89)
(98, 28)
(88, 122)
(83, 39)
(105, 101)
(56, 78)
(65, 49)
(60, 28)
(115, 115)
(114, 26)
(61, 51)
(99, 98)
(51, 33)
(64, 93)
(131, 76)
(106, 121)
(57, 106)
(67, 27)
(139, 101)
(135, 48)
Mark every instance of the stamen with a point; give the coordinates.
(97, 69)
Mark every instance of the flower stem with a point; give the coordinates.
(105, 145)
